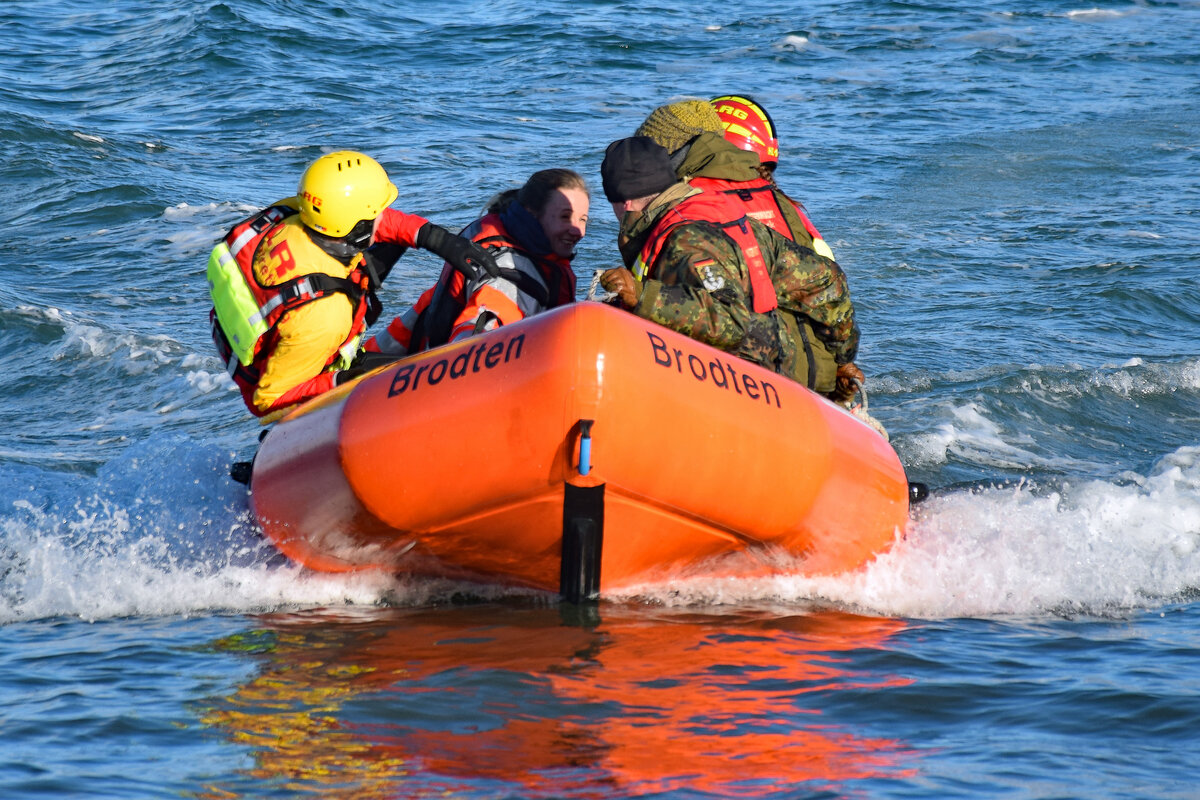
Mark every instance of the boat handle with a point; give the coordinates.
(585, 446)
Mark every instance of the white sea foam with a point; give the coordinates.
(85, 340)
(195, 240)
(795, 43)
(207, 382)
(1097, 548)
(105, 569)
(189, 375)
(220, 212)
(185, 211)
(193, 552)
(40, 314)
(969, 433)
(1100, 13)
(1189, 376)
(986, 432)
(164, 531)
(792, 42)
(196, 228)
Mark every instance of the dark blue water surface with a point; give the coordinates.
(1014, 193)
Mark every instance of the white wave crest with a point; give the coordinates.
(82, 339)
(105, 569)
(1099, 548)
(970, 434)
(208, 382)
(792, 42)
(176, 541)
(1100, 13)
(185, 211)
(196, 228)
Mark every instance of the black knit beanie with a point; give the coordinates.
(635, 167)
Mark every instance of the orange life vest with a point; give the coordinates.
(762, 202)
(243, 241)
(727, 210)
(435, 323)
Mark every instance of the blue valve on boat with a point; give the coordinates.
(585, 446)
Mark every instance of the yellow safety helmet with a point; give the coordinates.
(340, 189)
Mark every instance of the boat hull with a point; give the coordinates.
(582, 450)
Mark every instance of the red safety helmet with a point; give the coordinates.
(748, 126)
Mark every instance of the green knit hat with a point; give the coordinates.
(675, 125)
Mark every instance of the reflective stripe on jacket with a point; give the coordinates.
(451, 309)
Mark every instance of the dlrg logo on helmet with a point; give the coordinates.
(732, 111)
(748, 126)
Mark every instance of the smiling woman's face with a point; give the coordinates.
(564, 220)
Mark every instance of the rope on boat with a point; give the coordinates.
(859, 410)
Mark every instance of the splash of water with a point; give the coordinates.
(1096, 548)
(152, 541)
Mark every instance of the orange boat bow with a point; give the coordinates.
(582, 450)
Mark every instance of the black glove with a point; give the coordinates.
(462, 254)
(343, 375)
(368, 360)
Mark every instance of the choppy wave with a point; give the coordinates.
(1089, 14)
(163, 530)
(1093, 548)
(1013, 193)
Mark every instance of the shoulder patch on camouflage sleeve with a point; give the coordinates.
(710, 281)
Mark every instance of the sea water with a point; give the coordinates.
(1013, 191)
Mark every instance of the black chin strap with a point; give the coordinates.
(359, 236)
(338, 248)
(344, 251)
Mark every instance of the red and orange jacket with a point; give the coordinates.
(312, 325)
(453, 308)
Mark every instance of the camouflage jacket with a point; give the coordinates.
(709, 155)
(699, 285)
(815, 288)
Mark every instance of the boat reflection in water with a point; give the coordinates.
(497, 700)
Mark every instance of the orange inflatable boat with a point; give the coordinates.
(584, 450)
